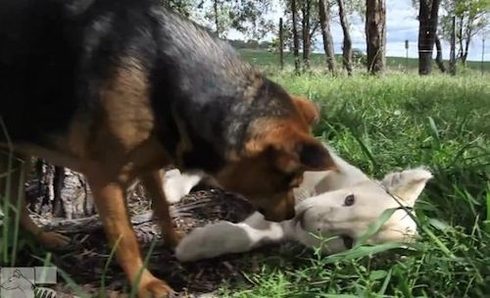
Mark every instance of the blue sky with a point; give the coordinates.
(401, 25)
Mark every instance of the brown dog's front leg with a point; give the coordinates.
(111, 205)
(153, 183)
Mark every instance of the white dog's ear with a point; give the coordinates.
(407, 184)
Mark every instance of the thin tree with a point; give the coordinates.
(325, 18)
(375, 35)
(216, 17)
(452, 53)
(297, 63)
(471, 17)
(305, 22)
(428, 15)
(347, 43)
(281, 44)
(439, 61)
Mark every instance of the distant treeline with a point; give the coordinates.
(250, 44)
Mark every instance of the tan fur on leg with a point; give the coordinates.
(153, 184)
(111, 205)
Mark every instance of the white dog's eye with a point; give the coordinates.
(349, 200)
(348, 241)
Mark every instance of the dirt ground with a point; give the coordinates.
(84, 261)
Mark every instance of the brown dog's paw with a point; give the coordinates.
(155, 288)
(53, 240)
(173, 239)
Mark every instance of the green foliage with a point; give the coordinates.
(248, 17)
(184, 7)
(245, 16)
(472, 17)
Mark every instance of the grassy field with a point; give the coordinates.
(268, 59)
(381, 124)
(387, 123)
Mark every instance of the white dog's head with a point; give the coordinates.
(348, 211)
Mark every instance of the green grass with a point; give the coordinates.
(387, 123)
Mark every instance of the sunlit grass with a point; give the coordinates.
(387, 123)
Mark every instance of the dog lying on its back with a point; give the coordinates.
(341, 203)
(119, 89)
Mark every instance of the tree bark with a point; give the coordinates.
(58, 192)
(297, 63)
(58, 184)
(375, 35)
(439, 61)
(466, 46)
(306, 9)
(216, 17)
(347, 43)
(452, 53)
(460, 37)
(281, 44)
(427, 34)
(324, 14)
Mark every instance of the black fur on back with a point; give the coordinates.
(56, 54)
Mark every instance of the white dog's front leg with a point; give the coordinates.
(225, 237)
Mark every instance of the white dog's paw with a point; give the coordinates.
(213, 240)
(201, 243)
(177, 185)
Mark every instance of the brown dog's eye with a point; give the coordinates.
(288, 180)
(349, 200)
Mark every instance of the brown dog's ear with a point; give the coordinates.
(305, 153)
(315, 157)
(308, 109)
(291, 148)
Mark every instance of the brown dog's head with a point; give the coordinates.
(276, 153)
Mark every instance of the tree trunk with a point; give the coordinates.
(305, 9)
(216, 17)
(58, 192)
(324, 14)
(439, 61)
(375, 35)
(297, 63)
(347, 43)
(460, 37)
(58, 184)
(466, 46)
(452, 53)
(281, 44)
(427, 34)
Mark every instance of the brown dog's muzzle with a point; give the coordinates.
(278, 208)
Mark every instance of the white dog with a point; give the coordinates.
(338, 205)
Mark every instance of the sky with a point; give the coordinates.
(401, 25)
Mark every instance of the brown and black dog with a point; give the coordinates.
(118, 89)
